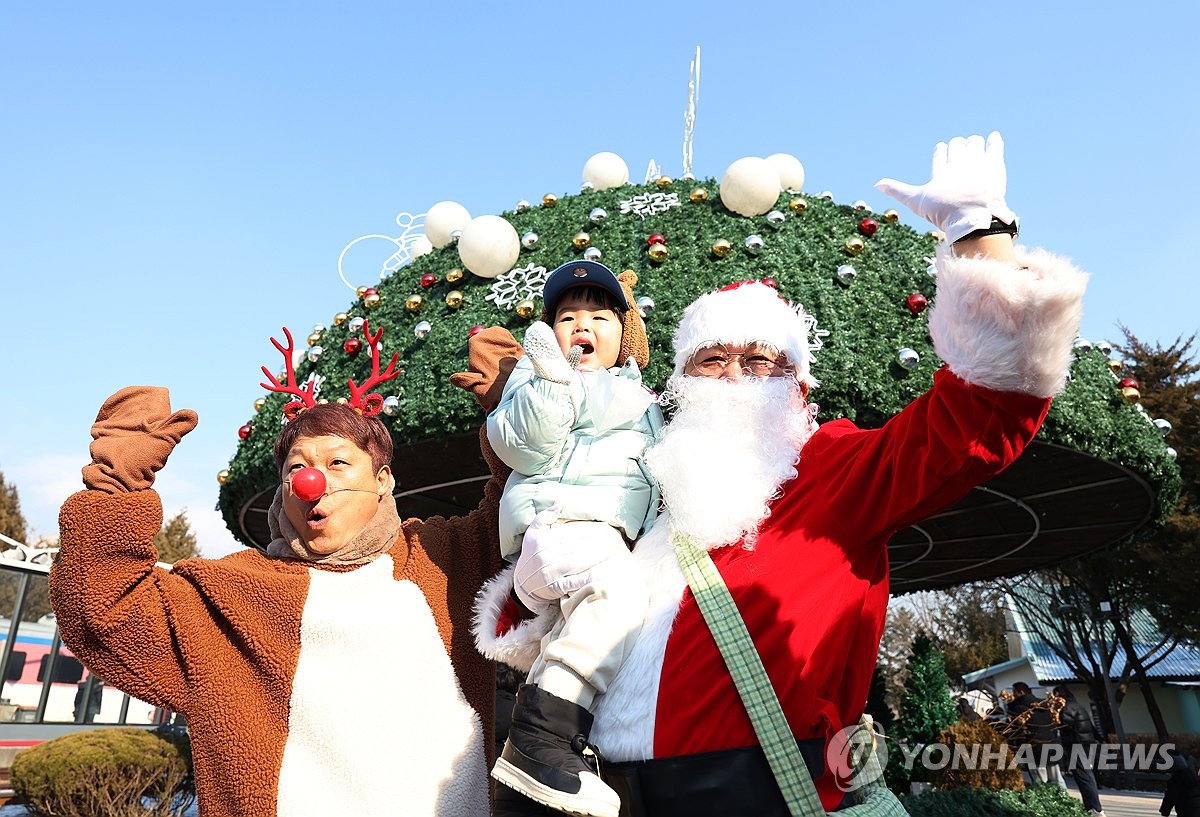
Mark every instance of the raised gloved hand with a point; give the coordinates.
(491, 355)
(552, 563)
(965, 190)
(132, 437)
(547, 359)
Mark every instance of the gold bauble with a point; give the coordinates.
(259, 403)
(341, 401)
(663, 182)
(1116, 366)
(855, 245)
(454, 275)
(937, 235)
(891, 216)
(340, 318)
(722, 247)
(581, 241)
(314, 338)
(454, 299)
(414, 303)
(798, 205)
(371, 301)
(698, 195)
(658, 253)
(549, 200)
(1130, 395)
(358, 293)
(525, 309)
(223, 476)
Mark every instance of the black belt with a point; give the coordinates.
(725, 783)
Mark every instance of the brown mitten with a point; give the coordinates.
(492, 353)
(132, 437)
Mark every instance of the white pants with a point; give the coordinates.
(582, 653)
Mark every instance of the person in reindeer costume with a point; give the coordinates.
(796, 516)
(334, 674)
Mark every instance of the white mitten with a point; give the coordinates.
(552, 564)
(965, 189)
(548, 361)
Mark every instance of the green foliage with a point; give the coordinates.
(12, 521)
(977, 739)
(867, 323)
(176, 540)
(121, 772)
(926, 707)
(1038, 801)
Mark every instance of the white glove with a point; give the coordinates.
(965, 190)
(552, 563)
(548, 361)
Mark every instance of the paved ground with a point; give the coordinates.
(1128, 803)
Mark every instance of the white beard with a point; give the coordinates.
(726, 452)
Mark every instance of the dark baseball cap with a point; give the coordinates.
(581, 273)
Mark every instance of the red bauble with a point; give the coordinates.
(475, 330)
(352, 346)
(244, 431)
(370, 291)
(428, 280)
(308, 484)
(657, 238)
(1128, 383)
(868, 226)
(770, 282)
(916, 303)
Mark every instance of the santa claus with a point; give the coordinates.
(797, 516)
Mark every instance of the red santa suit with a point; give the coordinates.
(813, 590)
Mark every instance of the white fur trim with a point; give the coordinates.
(737, 316)
(625, 715)
(363, 727)
(1006, 328)
(518, 647)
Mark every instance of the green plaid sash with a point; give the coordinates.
(762, 704)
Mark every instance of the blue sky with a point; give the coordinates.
(177, 180)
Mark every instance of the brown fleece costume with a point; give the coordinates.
(230, 642)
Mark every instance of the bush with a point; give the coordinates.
(122, 772)
(1038, 801)
(977, 740)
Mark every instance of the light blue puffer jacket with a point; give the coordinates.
(579, 446)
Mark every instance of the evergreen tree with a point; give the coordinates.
(12, 521)
(176, 540)
(926, 707)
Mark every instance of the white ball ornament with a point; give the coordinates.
(443, 219)
(605, 170)
(422, 246)
(791, 172)
(750, 186)
(489, 246)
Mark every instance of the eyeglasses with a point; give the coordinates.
(758, 360)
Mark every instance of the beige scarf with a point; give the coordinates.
(376, 538)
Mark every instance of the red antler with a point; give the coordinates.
(305, 392)
(371, 404)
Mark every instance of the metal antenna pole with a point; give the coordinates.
(689, 115)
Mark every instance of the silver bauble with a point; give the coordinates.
(586, 186)
(908, 358)
(597, 215)
(645, 305)
(846, 274)
(522, 206)
(592, 254)
(775, 218)
(754, 244)
(529, 240)
(1163, 425)
(355, 325)
(422, 330)
(314, 353)
(860, 205)
(1172, 453)
(931, 270)
(318, 329)
(455, 235)
(1083, 344)
(1105, 348)
(391, 405)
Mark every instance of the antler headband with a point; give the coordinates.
(365, 404)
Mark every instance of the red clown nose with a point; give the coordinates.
(308, 484)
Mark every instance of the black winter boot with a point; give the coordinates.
(547, 757)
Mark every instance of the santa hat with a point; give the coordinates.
(744, 313)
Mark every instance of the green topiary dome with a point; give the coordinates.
(1098, 471)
